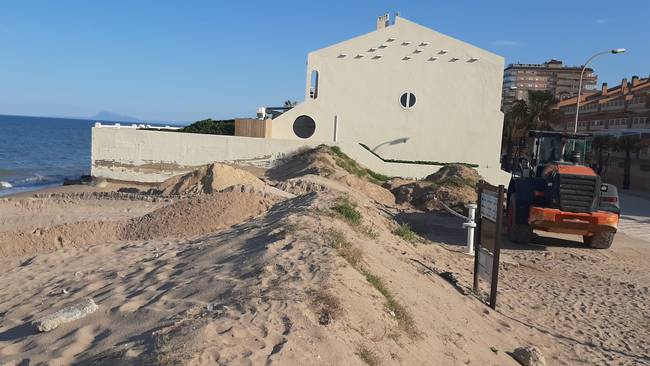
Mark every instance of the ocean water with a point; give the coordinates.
(37, 152)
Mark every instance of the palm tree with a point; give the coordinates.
(540, 106)
(290, 104)
(516, 124)
(600, 144)
(628, 144)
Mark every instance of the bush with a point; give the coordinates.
(211, 127)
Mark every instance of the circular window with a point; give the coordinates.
(304, 127)
(407, 100)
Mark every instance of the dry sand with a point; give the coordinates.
(255, 276)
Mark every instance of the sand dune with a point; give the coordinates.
(308, 272)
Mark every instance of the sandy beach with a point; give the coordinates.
(238, 269)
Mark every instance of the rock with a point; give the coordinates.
(529, 356)
(66, 315)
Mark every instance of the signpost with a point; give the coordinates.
(488, 241)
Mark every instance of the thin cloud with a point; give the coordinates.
(506, 43)
(601, 21)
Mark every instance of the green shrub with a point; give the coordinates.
(404, 231)
(351, 166)
(348, 211)
(211, 127)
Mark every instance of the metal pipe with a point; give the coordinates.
(470, 225)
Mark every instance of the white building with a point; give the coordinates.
(402, 92)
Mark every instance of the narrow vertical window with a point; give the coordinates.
(313, 85)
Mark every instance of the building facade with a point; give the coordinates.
(619, 111)
(405, 91)
(552, 76)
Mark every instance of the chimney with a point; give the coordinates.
(382, 21)
(624, 86)
(603, 91)
(635, 81)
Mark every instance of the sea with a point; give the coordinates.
(42, 152)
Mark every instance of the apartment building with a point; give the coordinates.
(553, 76)
(619, 111)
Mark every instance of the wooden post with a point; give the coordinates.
(497, 249)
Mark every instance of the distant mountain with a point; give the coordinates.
(113, 117)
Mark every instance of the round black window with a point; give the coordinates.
(407, 100)
(304, 127)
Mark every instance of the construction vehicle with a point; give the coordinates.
(556, 191)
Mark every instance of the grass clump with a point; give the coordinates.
(328, 307)
(404, 318)
(337, 240)
(405, 232)
(348, 211)
(352, 167)
(368, 356)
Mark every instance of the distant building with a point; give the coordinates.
(562, 81)
(621, 110)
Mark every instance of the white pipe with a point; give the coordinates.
(336, 127)
(470, 225)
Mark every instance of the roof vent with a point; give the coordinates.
(454, 59)
(342, 55)
(432, 58)
(473, 59)
(406, 43)
(418, 50)
(358, 56)
(422, 44)
(372, 49)
(442, 52)
(377, 57)
(391, 39)
(382, 46)
(406, 58)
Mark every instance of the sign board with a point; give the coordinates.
(485, 264)
(487, 243)
(489, 202)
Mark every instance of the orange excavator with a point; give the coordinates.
(555, 191)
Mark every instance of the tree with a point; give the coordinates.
(599, 145)
(515, 126)
(540, 107)
(628, 145)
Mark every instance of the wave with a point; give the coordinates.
(5, 185)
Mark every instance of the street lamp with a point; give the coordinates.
(614, 51)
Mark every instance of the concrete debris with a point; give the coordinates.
(529, 356)
(66, 315)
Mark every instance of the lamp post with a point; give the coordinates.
(614, 51)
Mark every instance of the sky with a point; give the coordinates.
(190, 60)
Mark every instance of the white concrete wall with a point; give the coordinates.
(456, 117)
(152, 156)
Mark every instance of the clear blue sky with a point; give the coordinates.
(187, 60)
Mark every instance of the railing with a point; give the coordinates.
(136, 126)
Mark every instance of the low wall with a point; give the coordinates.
(152, 156)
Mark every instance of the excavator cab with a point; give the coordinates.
(555, 191)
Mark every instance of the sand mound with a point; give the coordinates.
(331, 163)
(196, 216)
(454, 185)
(207, 179)
(186, 218)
